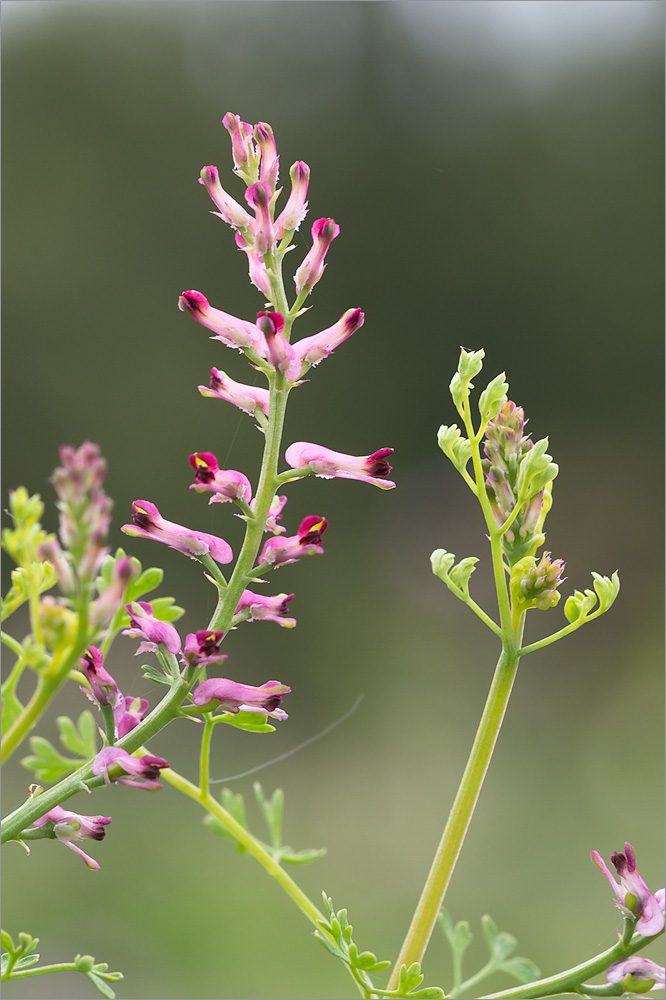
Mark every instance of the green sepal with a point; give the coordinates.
(493, 398)
(79, 738)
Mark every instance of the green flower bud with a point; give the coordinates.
(534, 585)
(441, 562)
(493, 398)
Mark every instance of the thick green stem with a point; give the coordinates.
(460, 817)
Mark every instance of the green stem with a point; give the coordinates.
(460, 816)
(204, 756)
(41, 970)
(570, 980)
(253, 847)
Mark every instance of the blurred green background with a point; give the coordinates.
(496, 170)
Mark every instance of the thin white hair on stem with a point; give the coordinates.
(300, 746)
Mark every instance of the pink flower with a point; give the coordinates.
(324, 231)
(274, 515)
(268, 609)
(258, 196)
(632, 895)
(228, 208)
(276, 349)
(245, 397)
(637, 968)
(296, 208)
(280, 550)
(145, 626)
(203, 647)
(243, 150)
(103, 688)
(330, 464)
(145, 769)
(149, 523)
(234, 698)
(312, 350)
(233, 332)
(104, 608)
(226, 485)
(270, 161)
(258, 273)
(70, 826)
(128, 713)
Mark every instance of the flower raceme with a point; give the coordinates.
(330, 464)
(632, 895)
(143, 770)
(149, 523)
(234, 698)
(226, 485)
(70, 826)
(283, 549)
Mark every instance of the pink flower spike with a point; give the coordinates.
(335, 464)
(145, 626)
(145, 769)
(233, 332)
(149, 523)
(128, 713)
(277, 350)
(202, 648)
(632, 895)
(257, 268)
(70, 826)
(103, 688)
(270, 161)
(234, 698)
(312, 350)
(280, 550)
(324, 231)
(245, 397)
(268, 609)
(296, 208)
(228, 208)
(259, 197)
(227, 485)
(246, 157)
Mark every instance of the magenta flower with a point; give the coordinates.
(243, 149)
(145, 626)
(257, 268)
(103, 688)
(230, 330)
(202, 648)
(267, 609)
(226, 484)
(228, 208)
(330, 464)
(149, 523)
(312, 350)
(632, 895)
(144, 769)
(258, 196)
(637, 968)
(234, 698)
(70, 826)
(324, 231)
(280, 550)
(276, 349)
(245, 397)
(128, 713)
(270, 161)
(296, 208)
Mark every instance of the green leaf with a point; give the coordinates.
(503, 945)
(304, 857)
(521, 968)
(149, 580)
(151, 673)
(272, 810)
(461, 573)
(490, 931)
(11, 707)
(47, 763)
(493, 397)
(103, 987)
(251, 722)
(26, 961)
(81, 738)
(7, 941)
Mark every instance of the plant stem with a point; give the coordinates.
(460, 816)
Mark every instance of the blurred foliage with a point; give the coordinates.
(496, 170)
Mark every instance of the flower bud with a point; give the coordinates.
(534, 585)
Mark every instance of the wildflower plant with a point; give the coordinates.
(81, 597)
